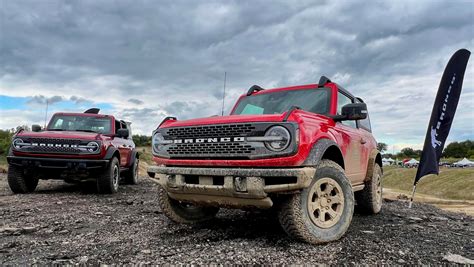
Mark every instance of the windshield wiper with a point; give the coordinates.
(85, 130)
(55, 129)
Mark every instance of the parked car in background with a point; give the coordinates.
(74, 147)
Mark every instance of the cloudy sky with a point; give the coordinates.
(144, 60)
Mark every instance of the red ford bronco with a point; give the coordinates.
(305, 150)
(74, 147)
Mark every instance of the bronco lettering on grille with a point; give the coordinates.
(209, 140)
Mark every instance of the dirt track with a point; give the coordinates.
(61, 223)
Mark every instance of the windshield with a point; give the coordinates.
(80, 123)
(313, 100)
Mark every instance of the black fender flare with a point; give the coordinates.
(111, 152)
(374, 158)
(133, 155)
(319, 149)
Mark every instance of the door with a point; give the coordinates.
(124, 145)
(352, 143)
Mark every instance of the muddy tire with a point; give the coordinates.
(322, 212)
(108, 180)
(369, 200)
(131, 176)
(19, 181)
(180, 212)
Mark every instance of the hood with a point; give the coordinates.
(61, 134)
(224, 120)
(298, 116)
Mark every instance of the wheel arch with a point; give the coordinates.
(133, 155)
(112, 152)
(324, 149)
(374, 158)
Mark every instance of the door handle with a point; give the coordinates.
(362, 141)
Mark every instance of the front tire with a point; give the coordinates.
(181, 212)
(369, 200)
(19, 181)
(322, 212)
(108, 180)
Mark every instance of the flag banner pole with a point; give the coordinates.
(442, 116)
(412, 196)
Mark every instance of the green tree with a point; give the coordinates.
(459, 149)
(5, 141)
(141, 140)
(382, 147)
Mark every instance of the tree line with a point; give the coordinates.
(464, 149)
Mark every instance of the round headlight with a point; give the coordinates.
(157, 141)
(16, 143)
(284, 138)
(93, 147)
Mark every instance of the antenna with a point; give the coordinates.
(46, 113)
(223, 95)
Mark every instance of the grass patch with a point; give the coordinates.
(145, 154)
(452, 183)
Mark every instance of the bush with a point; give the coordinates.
(5, 141)
(141, 140)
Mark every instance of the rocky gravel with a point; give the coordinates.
(69, 224)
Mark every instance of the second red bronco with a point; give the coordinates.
(306, 151)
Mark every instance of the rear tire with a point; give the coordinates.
(181, 212)
(19, 181)
(108, 180)
(131, 176)
(369, 200)
(322, 212)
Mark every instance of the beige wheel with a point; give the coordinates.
(323, 211)
(325, 202)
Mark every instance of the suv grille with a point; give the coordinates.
(227, 130)
(220, 141)
(52, 145)
(210, 149)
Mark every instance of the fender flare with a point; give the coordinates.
(319, 149)
(111, 151)
(374, 158)
(134, 154)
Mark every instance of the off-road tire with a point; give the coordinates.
(369, 200)
(108, 180)
(184, 213)
(19, 181)
(131, 176)
(294, 215)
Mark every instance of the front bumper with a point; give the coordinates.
(232, 187)
(58, 163)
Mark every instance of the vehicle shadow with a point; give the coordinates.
(58, 186)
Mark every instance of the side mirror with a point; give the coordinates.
(36, 128)
(123, 133)
(354, 111)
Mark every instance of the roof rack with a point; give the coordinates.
(92, 111)
(323, 80)
(253, 89)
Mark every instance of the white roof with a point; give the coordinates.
(464, 161)
(412, 161)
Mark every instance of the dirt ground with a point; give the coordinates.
(64, 223)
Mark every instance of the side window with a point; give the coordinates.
(117, 125)
(365, 123)
(341, 101)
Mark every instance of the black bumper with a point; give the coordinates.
(58, 163)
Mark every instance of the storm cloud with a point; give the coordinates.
(153, 59)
